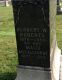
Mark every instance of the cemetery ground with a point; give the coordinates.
(8, 51)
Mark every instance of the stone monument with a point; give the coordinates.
(7, 3)
(38, 54)
(59, 9)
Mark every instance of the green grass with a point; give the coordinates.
(6, 19)
(8, 51)
(59, 30)
(8, 56)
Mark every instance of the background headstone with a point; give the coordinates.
(7, 3)
(59, 9)
(58, 2)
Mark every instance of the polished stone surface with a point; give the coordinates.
(32, 32)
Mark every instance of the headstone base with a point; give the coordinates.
(37, 73)
(32, 74)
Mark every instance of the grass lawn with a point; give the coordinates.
(8, 56)
(59, 30)
(8, 51)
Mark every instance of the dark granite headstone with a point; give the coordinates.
(32, 26)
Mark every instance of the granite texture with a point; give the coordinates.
(32, 32)
(35, 31)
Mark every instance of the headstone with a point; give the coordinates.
(58, 2)
(59, 9)
(36, 39)
(7, 3)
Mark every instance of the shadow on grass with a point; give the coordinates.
(7, 76)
